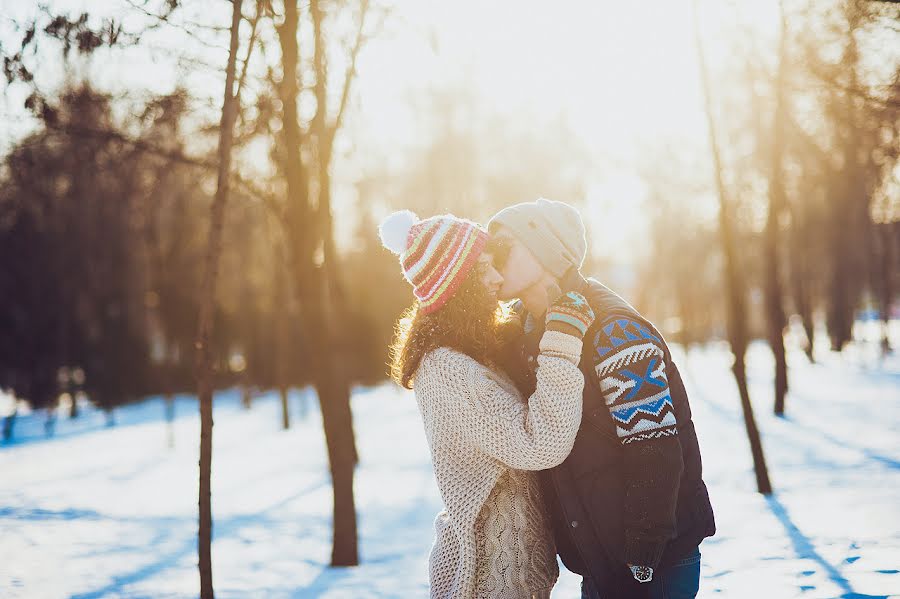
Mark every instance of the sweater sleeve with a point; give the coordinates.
(537, 435)
(630, 365)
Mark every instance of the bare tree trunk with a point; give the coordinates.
(249, 343)
(881, 273)
(737, 318)
(305, 236)
(208, 291)
(801, 276)
(334, 310)
(72, 389)
(285, 407)
(50, 422)
(337, 420)
(279, 319)
(840, 311)
(9, 422)
(803, 304)
(169, 395)
(846, 237)
(888, 272)
(324, 133)
(170, 420)
(776, 320)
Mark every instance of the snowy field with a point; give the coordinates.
(111, 512)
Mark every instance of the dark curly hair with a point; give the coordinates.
(471, 322)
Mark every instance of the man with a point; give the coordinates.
(629, 505)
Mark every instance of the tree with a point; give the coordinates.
(735, 285)
(168, 219)
(74, 201)
(677, 292)
(308, 230)
(775, 317)
(208, 287)
(863, 120)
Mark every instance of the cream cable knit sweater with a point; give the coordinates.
(493, 538)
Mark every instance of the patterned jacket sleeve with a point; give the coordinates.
(629, 363)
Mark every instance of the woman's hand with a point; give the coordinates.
(570, 313)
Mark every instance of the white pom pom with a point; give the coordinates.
(394, 230)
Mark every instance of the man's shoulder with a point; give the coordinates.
(606, 302)
(624, 328)
(618, 325)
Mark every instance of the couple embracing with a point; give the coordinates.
(558, 423)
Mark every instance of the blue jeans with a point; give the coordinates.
(681, 580)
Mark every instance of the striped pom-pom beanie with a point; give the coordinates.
(436, 254)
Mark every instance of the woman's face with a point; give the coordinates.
(490, 278)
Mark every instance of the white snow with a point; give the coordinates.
(111, 511)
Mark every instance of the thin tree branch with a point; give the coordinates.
(253, 31)
(268, 199)
(165, 20)
(349, 76)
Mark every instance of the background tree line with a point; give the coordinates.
(105, 214)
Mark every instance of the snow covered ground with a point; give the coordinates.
(111, 512)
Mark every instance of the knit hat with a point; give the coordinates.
(436, 254)
(552, 231)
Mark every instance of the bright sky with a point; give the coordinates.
(622, 74)
(617, 69)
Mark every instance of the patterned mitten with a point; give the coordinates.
(570, 314)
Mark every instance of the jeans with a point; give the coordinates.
(681, 580)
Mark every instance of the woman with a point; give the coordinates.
(493, 539)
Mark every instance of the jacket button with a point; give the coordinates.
(574, 523)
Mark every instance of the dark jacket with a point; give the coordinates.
(631, 490)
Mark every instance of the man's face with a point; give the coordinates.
(518, 266)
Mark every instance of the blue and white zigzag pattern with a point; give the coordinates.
(631, 368)
(644, 415)
(621, 381)
(617, 332)
(666, 432)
